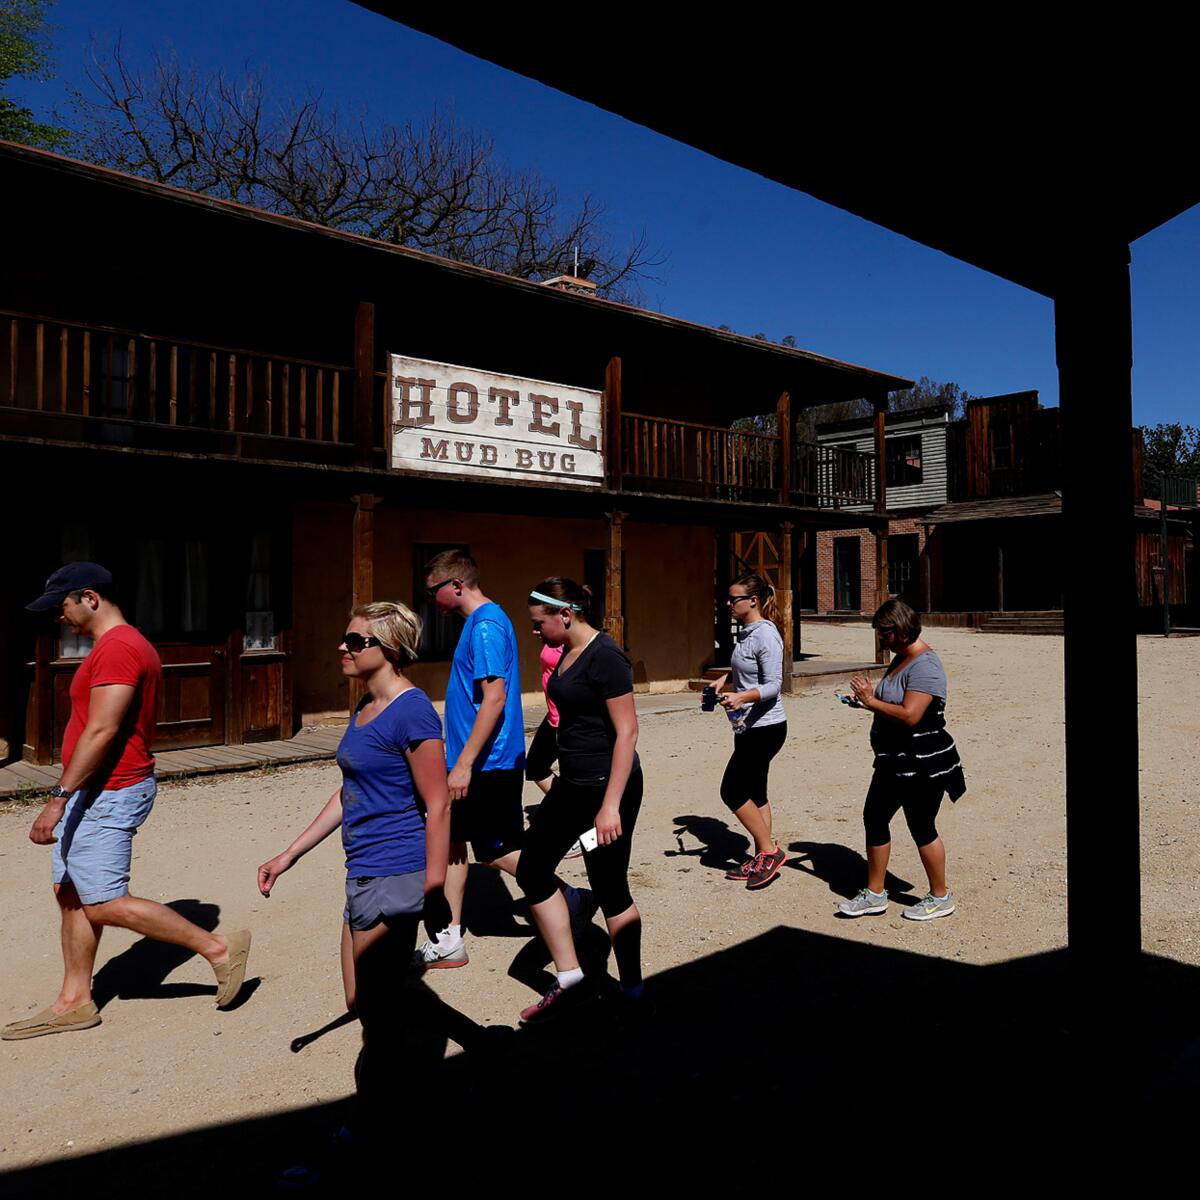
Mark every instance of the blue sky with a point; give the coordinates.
(742, 251)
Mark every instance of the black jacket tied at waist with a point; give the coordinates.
(924, 751)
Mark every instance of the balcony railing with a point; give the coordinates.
(679, 458)
(86, 371)
(117, 386)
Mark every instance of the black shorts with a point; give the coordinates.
(490, 815)
(746, 772)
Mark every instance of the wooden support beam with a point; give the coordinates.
(1093, 333)
(784, 598)
(881, 536)
(614, 600)
(364, 385)
(783, 428)
(612, 422)
(362, 589)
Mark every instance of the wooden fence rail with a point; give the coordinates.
(66, 367)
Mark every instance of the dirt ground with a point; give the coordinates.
(165, 1061)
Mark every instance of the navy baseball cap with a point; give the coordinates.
(74, 577)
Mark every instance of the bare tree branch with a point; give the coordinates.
(435, 185)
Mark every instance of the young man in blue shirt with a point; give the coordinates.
(485, 746)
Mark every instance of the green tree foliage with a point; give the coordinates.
(1172, 449)
(24, 55)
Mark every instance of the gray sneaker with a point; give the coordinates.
(866, 904)
(929, 908)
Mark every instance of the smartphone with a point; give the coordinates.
(589, 840)
(709, 700)
(852, 701)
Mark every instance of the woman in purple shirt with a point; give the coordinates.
(393, 810)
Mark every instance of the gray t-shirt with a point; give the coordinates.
(924, 674)
(757, 662)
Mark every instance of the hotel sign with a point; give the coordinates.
(457, 421)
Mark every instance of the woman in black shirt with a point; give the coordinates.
(599, 786)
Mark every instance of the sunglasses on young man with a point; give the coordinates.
(432, 590)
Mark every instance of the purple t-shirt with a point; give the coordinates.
(383, 817)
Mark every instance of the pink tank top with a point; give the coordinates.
(549, 657)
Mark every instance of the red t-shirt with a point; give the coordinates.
(121, 655)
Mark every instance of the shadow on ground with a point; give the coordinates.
(793, 1027)
(140, 972)
(843, 869)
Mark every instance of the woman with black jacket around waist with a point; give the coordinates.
(916, 762)
(759, 724)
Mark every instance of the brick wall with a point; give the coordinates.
(866, 559)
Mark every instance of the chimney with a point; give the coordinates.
(571, 283)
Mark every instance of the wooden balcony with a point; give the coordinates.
(680, 458)
(103, 383)
(109, 386)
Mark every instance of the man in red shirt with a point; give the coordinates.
(106, 791)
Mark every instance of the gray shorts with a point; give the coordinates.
(374, 898)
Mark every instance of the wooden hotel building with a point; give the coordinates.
(255, 423)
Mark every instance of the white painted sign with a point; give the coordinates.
(458, 421)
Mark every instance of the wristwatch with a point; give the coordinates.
(58, 792)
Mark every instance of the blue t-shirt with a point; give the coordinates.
(383, 818)
(487, 648)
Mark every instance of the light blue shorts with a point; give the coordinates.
(95, 839)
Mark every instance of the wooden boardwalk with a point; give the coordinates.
(21, 780)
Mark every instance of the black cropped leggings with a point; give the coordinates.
(746, 772)
(567, 811)
(887, 795)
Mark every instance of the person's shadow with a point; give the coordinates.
(139, 972)
(720, 847)
(844, 870)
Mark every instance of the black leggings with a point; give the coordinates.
(745, 775)
(567, 811)
(543, 752)
(887, 795)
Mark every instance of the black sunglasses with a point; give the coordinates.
(432, 590)
(735, 599)
(356, 643)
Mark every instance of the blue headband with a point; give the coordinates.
(550, 600)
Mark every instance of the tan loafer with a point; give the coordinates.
(230, 975)
(86, 1016)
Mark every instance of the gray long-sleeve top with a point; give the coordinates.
(757, 662)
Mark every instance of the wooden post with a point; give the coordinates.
(881, 535)
(362, 565)
(999, 577)
(612, 422)
(39, 724)
(364, 385)
(1093, 336)
(784, 598)
(614, 600)
(783, 427)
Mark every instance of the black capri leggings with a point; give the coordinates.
(543, 752)
(887, 795)
(745, 775)
(569, 810)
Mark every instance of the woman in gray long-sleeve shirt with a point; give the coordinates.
(755, 678)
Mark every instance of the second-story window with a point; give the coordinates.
(904, 466)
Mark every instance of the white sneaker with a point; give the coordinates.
(430, 956)
(866, 904)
